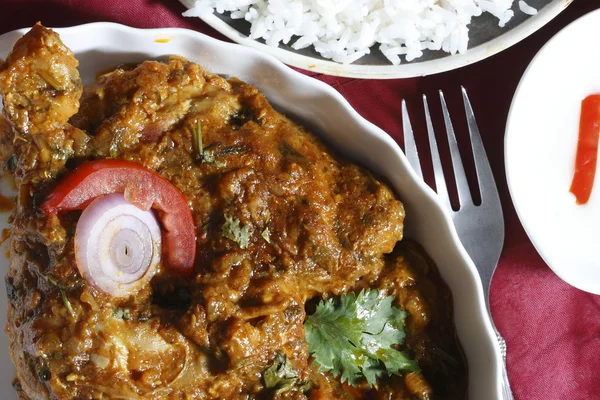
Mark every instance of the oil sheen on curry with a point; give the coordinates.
(174, 237)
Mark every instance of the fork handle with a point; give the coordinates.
(506, 391)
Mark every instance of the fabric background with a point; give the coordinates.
(552, 330)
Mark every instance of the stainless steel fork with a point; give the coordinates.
(479, 227)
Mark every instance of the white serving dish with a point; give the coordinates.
(540, 147)
(100, 46)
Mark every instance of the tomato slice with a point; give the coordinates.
(143, 188)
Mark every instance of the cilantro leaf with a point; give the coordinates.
(266, 234)
(122, 313)
(280, 377)
(353, 337)
(233, 231)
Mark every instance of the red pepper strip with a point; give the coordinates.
(143, 188)
(587, 149)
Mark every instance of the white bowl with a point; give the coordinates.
(100, 46)
(540, 146)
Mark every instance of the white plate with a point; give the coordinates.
(540, 147)
(486, 38)
(101, 46)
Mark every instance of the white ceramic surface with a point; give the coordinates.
(482, 44)
(540, 147)
(101, 46)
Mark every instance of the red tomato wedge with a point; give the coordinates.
(143, 188)
(587, 149)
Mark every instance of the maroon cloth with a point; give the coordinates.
(552, 330)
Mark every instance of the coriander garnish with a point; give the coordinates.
(233, 231)
(280, 377)
(353, 336)
(122, 313)
(266, 234)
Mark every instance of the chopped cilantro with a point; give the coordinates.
(353, 337)
(233, 231)
(266, 234)
(122, 313)
(280, 377)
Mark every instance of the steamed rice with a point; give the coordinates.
(526, 8)
(346, 30)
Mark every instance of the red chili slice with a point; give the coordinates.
(143, 188)
(587, 149)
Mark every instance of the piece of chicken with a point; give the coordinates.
(41, 88)
(40, 83)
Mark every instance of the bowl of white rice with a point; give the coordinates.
(378, 39)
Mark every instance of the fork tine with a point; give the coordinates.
(410, 147)
(487, 184)
(438, 171)
(462, 187)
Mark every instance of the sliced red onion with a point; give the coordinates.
(117, 245)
